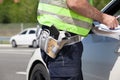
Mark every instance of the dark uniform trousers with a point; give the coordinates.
(67, 64)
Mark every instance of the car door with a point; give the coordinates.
(101, 59)
(115, 71)
(28, 37)
(98, 57)
(22, 38)
(31, 36)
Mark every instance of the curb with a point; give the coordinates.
(5, 45)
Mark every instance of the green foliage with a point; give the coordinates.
(26, 10)
(99, 4)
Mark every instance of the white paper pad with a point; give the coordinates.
(105, 28)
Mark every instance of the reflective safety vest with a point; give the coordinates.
(56, 12)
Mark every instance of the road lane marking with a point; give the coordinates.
(22, 53)
(21, 73)
(16, 51)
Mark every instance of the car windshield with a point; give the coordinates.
(24, 32)
(32, 32)
(112, 7)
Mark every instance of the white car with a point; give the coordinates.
(101, 55)
(25, 37)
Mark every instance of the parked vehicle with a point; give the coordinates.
(25, 37)
(101, 60)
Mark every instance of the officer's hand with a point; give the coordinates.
(110, 21)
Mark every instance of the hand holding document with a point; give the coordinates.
(105, 28)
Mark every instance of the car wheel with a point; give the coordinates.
(14, 43)
(39, 72)
(34, 44)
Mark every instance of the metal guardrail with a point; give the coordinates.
(4, 39)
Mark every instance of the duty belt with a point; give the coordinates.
(52, 41)
(72, 40)
(53, 47)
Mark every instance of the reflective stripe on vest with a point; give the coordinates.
(63, 19)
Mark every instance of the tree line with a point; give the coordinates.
(25, 11)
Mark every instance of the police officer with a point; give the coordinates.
(75, 17)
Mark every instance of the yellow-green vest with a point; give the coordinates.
(56, 12)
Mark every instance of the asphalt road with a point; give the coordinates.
(13, 62)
